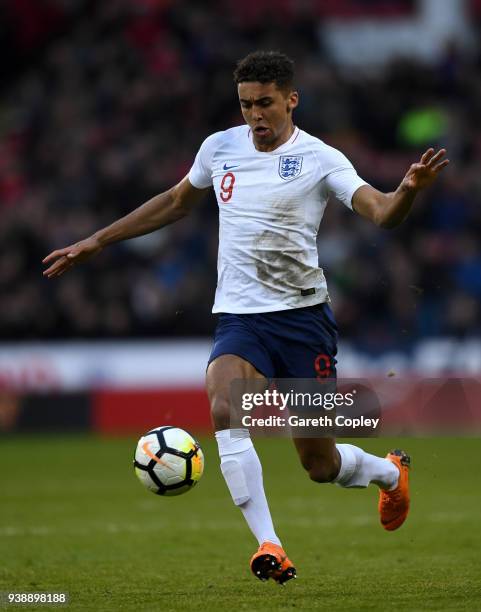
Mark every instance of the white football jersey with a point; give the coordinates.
(270, 208)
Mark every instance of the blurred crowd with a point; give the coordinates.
(104, 104)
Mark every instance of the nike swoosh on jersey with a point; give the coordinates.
(226, 167)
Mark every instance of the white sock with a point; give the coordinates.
(242, 471)
(358, 469)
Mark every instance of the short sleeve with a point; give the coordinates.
(200, 175)
(340, 178)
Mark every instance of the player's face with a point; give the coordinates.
(268, 112)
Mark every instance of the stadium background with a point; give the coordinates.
(104, 104)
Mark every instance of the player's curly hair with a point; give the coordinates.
(266, 67)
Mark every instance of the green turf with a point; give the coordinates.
(73, 517)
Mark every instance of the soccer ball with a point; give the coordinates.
(168, 461)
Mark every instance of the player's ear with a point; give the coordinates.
(292, 101)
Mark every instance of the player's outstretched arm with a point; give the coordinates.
(390, 209)
(161, 210)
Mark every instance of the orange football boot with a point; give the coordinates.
(270, 561)
(394, 505)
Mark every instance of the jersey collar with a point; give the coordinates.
(279, 149)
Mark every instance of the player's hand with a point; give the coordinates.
(424, 173)
(63, 259)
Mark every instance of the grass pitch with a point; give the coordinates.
(74, 518)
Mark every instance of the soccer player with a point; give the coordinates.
(272, 181)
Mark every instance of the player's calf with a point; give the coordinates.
(323, 472)
(220, 413)
(319, 458)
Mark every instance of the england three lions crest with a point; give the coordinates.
(290, 166)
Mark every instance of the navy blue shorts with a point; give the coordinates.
(297, 343)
